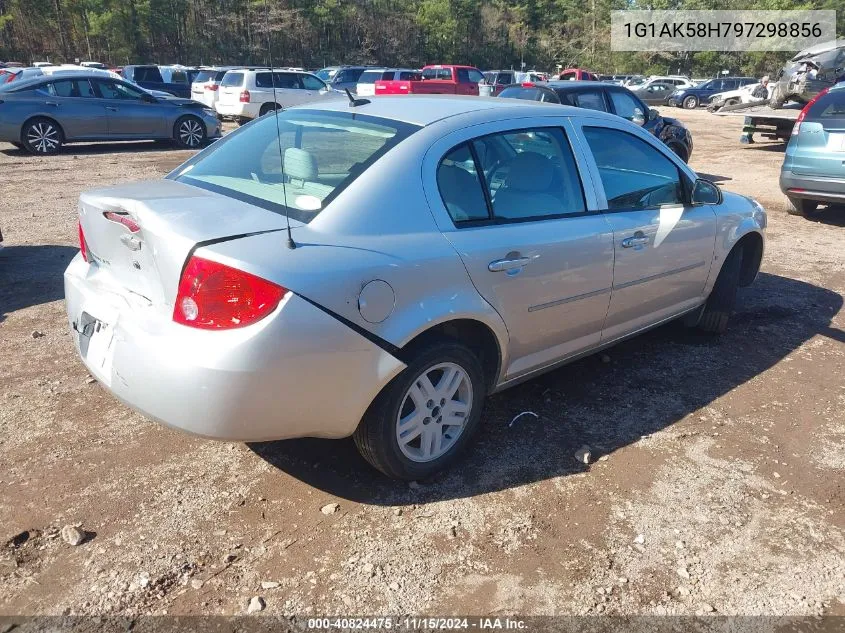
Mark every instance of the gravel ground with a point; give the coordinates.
(716, 483)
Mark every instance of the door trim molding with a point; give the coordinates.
(559, 302)
(675, 271)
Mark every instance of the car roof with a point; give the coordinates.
(424, 110)
(573, 84)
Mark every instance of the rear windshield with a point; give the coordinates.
(829, 106)
(371, 76)
(323, 153)
(204, 75)
(232, 79)
(529, 94)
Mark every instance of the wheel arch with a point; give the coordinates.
(42, 116)
(752, 256)
(476, 335)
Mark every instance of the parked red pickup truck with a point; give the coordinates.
(436, 80)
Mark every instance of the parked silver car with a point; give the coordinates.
(526, 235)
(43, 114)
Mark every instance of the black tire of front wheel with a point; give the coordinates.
(375, 436)
(177, 138)
(690, 103)
(720, 304)
(42, 121)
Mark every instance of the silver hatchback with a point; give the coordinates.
(440, 249)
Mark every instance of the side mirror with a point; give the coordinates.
(705, 192)
(653, 114)
(638, 118)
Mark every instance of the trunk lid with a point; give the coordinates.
(171, 218)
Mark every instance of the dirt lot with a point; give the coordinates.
(717, 486)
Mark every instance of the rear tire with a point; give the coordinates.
(405, 402)
(720, 304)
(189, 132)
(42, 136)
(268, 107)
(800, 206)
(690, 103)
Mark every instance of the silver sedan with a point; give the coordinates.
(440, 249)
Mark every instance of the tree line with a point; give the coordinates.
(541, 34)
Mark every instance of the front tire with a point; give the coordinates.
(189, 132)
(690, 103)
(800, 206)
(42, 137)
(426, 415)
(720, 304)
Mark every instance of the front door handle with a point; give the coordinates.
(111, 108)
(51, 103)
(500, 265)
(637, 239)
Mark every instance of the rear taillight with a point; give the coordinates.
(213, 296)
(212, 87)
(803, 114)
(245, 96)
(83, 247)
(527, 84)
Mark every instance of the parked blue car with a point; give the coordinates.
(813, 171)
(691, 98)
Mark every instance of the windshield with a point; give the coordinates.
(323, 153)
(326, 73)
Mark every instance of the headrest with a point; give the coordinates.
(300, 164)
(530, 171)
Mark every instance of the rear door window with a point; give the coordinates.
(625, 105)
(591, 99)
(634, 174)
(63, 88)
(310, 82)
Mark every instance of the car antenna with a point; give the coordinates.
(290, 243)
(353, 102)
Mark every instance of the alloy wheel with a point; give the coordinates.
(43, 137)
(434, 412)
(190, 133)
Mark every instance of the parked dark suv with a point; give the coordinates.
(691, 98)
(171, 79)
(608, 98)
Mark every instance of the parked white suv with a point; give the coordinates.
(247, 93)
(206, 85)
(366, 86)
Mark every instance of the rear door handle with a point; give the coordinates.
(112, 108)
(500, 265)
(637, 239)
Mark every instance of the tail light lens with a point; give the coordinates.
(213, 296)
(245, 96)
(803, 114)
(212, 87)
(83, 247)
